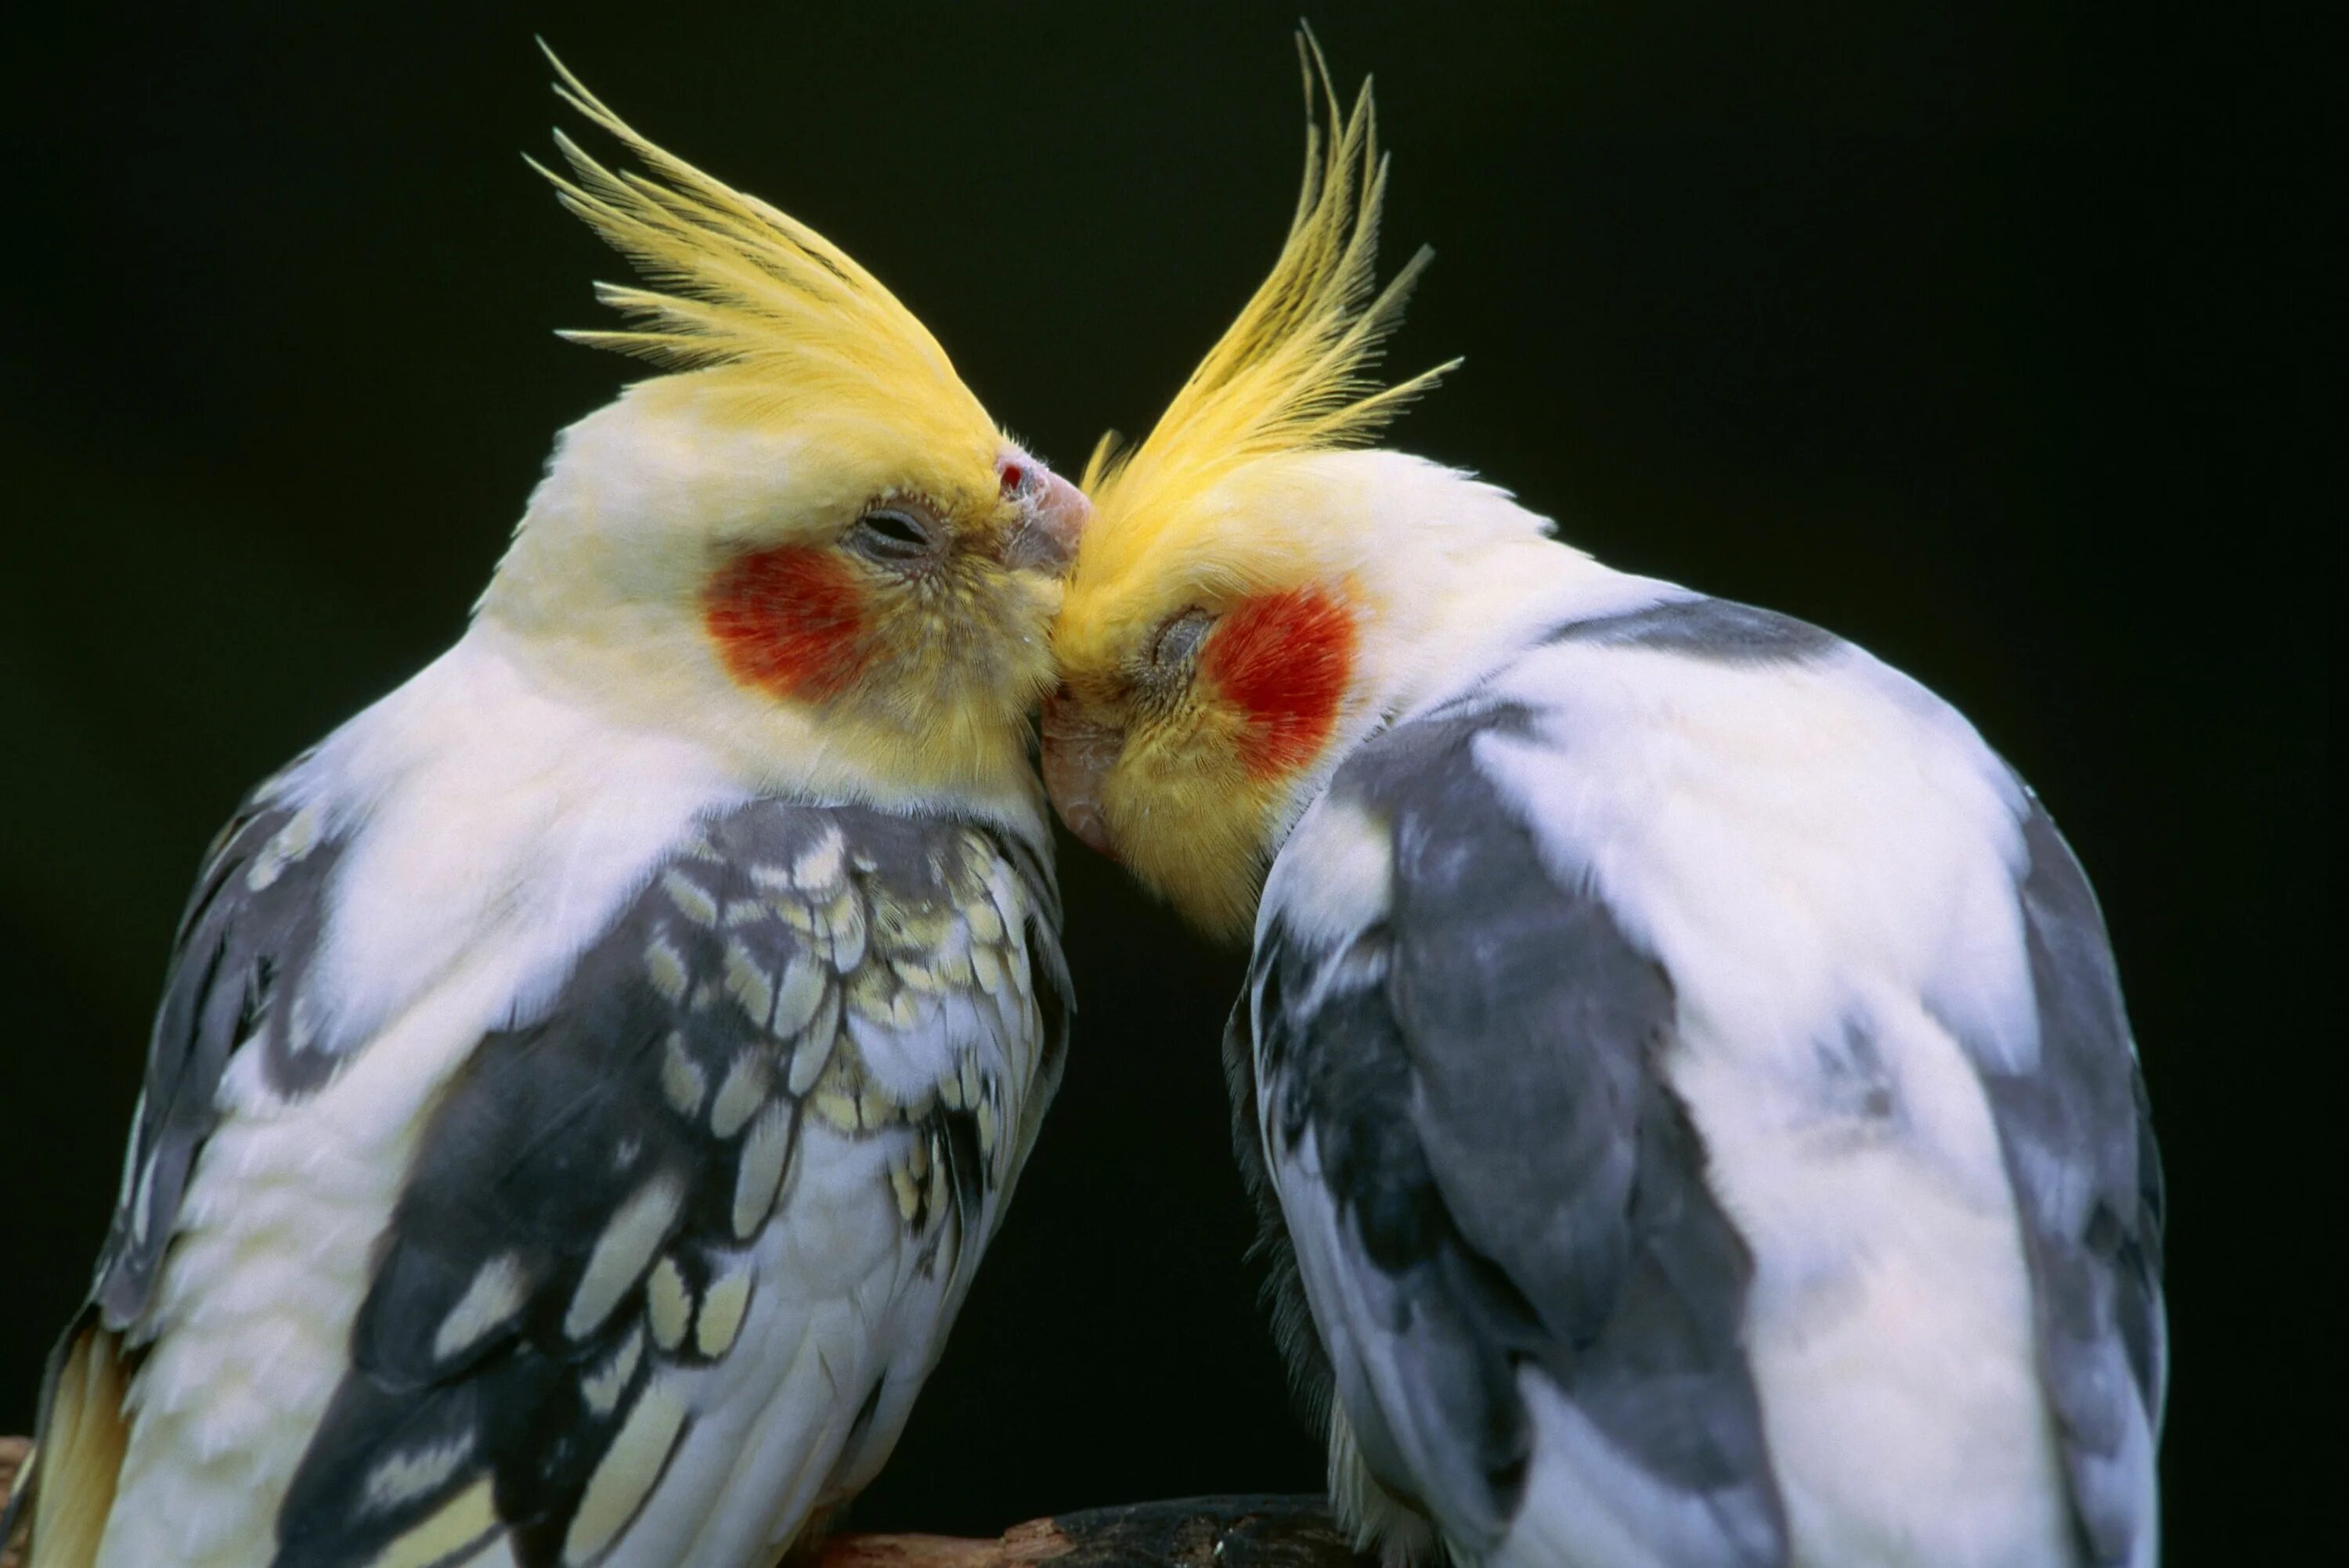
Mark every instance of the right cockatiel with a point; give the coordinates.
(1683, 1065)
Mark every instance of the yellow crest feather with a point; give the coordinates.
(1292, 373)
(740, 283)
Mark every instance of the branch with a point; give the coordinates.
(1189, 1532)
(1247, 1531)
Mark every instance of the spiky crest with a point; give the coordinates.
(1292, 373)
(739, 283)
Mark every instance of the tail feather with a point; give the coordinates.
(66, 1487)
(16, 1464)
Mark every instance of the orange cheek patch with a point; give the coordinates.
(789, 620)
(1283, 659)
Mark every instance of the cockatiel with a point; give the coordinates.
(587, 1081)
(1682, 1065)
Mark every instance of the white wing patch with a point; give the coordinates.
(627, 1245)
(404, 1477)
(497, 1292)
(625, 1476)
(465, 1520)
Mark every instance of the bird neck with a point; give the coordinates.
(1469, 579)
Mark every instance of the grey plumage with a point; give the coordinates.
(238, 973)
(2077, 1133)
(1721, 630)
(238, 967)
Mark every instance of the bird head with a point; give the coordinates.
(806, 546)
(1237, 613)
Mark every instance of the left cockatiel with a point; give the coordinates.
(586, 1081)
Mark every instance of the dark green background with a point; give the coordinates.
(1917, 320)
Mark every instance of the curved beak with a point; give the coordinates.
(1055, 514)
(1078, 756)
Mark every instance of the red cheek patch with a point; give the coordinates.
(789, 620)
(1284, 660)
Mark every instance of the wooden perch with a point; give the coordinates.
(1190, 1533)
(1187, 1532)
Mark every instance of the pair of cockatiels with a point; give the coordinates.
(1681, 1068)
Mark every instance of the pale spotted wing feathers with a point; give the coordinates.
(585, 1203)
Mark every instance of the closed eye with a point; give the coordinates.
(893, 534)
(1179, 639)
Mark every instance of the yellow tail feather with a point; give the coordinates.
(73, 1473)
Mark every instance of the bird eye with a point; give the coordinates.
(891, 533)
(1179, 638)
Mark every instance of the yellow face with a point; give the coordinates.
(900, 590)
(1214, 644)
(809, 548)
(1205, 677)
(844, 595)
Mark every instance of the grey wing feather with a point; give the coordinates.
(2073, 1123)
(1310, 1381)
(1718, 631)
(1517, 1183)
(239, 963)
(2076, 1127)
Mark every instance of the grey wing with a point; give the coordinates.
(792, 1088)
(1311, 1383)
(239, 964)
(2073, 1125)
(2076, 1131)
(1491, 1188)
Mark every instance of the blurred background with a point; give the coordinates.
(1908, 318)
